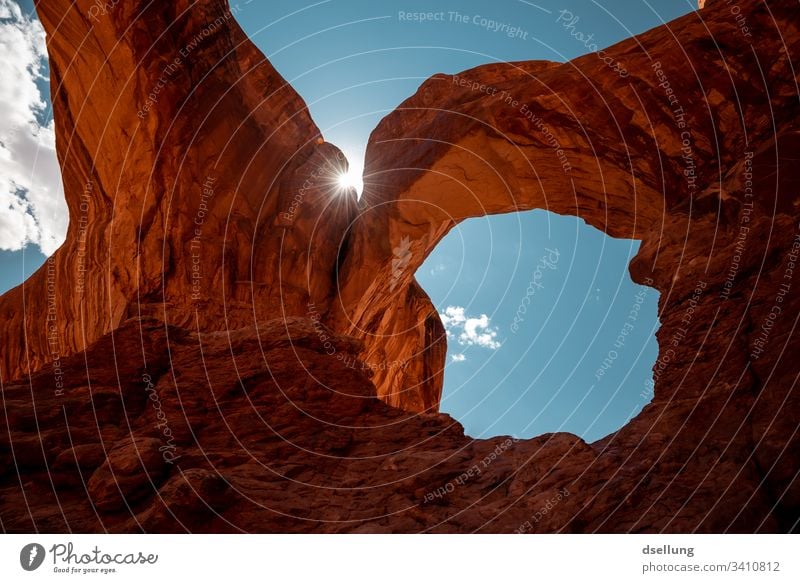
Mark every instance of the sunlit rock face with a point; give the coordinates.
(188, 164)
(226, 290)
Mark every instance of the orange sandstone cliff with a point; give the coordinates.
(226, 343)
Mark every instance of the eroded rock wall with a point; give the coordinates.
(194, 178)
(268, 373)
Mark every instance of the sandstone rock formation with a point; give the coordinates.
(212, 348)
(182, 153)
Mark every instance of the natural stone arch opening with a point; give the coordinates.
(468, 160)
(546, 331)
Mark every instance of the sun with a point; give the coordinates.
(348, 172)
(350, 179)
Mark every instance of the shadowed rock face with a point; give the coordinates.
(258, 355)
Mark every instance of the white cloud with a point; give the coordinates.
(469, 331)
(453, 316)
(477, 332)
(32, 206)
(458, 358)
(437, 269)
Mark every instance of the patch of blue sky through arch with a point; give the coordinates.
(546, 330)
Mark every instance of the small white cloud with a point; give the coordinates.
(32, 205)
(477, 332)
(453, 316)
(469, 331)
(438, 268)
(458, 358)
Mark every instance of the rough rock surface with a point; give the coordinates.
(243, 322)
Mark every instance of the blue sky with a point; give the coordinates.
(354, 61)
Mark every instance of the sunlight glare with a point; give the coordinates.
(353, 178)
(349, 179)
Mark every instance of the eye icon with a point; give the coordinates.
(31, 556)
